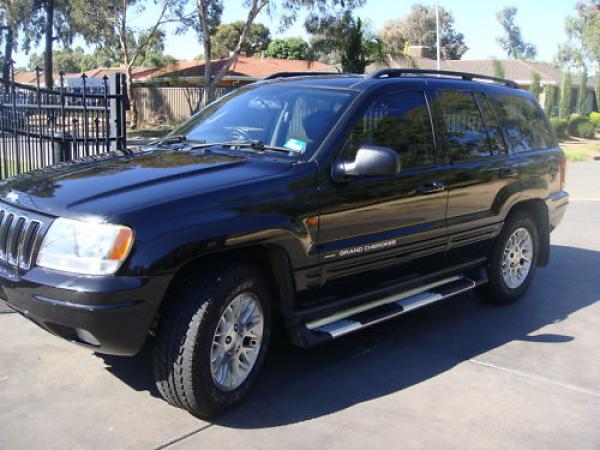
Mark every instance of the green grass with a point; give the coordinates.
(581, 149)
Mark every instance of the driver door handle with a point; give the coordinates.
(430, 188)
(508, 172)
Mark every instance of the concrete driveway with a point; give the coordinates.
(460, 374)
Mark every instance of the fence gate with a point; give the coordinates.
(40, 127)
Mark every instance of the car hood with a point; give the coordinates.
(106, 185)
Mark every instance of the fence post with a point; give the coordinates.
(118, 123)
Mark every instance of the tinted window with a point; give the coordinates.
(465, 131)
(524, 123)
(491, 124)
(399, 121)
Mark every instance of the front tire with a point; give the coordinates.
(212, 339)
(513, 260)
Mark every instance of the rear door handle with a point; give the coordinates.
(430, 188)
(508, 172)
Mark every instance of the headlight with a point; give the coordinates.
(85, 247)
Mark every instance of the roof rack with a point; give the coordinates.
(297, 74)
(396, 73)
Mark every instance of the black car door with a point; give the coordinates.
(482, 176)
(370, 224)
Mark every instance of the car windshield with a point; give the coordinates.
(289, 117)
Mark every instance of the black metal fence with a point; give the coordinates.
(40, 127)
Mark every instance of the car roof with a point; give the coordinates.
(366, 82)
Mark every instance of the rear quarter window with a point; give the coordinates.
(525, 125)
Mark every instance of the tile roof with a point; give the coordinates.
(107, 71)
(245, 67)
(515, 69)
(29, 77)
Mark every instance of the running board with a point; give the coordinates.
(365, 315)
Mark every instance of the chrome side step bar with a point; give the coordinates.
(363, 316)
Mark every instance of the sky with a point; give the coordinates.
(541, 22)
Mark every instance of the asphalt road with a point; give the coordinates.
(457, 375)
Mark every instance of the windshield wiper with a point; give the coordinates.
(257, 145)
(175, 139)
(178, 139)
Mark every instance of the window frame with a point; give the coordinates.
(507, 150)
(372, 101)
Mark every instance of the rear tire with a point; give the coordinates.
(189, 364)
(513, 260)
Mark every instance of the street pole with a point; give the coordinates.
(437, 31)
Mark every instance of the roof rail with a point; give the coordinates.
(396, 73)
(297, 74)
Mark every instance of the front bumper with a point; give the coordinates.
(108, 314)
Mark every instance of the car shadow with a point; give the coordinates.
(298, 385)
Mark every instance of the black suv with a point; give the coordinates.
(327, 203)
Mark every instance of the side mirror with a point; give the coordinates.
(370, 161)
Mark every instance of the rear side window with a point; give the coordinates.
(525, 125)
(399, 121)
(491, 123)
(465, 131)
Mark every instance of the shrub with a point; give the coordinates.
(561, 127)
(564, 106)
(549, 100)
(581, 126)
(595, 119)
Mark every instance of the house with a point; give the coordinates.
(517, 70)
(246, 69)
(94, 76)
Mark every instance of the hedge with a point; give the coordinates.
(561, 127)
(595, 119)
(581, 126)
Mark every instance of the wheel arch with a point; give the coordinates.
(271, 259)
(539, 211)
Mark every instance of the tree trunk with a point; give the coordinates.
(49, 41)
(207, 96)
(255, 7)
(133, 111)
(8, 50)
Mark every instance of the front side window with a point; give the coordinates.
(524, 122)
(399, 121)
(466, 134)
(292, 117)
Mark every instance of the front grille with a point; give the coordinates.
(20, 233)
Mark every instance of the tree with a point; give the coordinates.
(583, 37)
(207, 17)
(227, 36)
(108, 24)
(14, 16)
(549, 100)
(598, 89)
(535, 88)
(512, 41)
(498, 68)
(351, 44)
(67, 60)
(419, 28)
(582, 93)
(588, 26)
(47, 21)
(564, 105)
(76, 60)
(289, 48)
